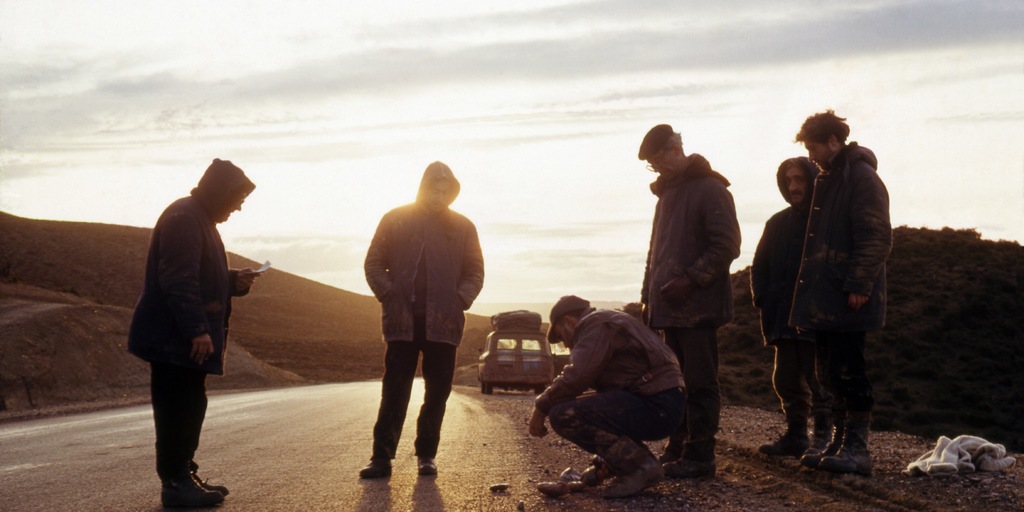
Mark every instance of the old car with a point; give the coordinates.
(516, 355)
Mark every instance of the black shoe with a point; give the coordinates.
(184, 492)
(427, 466)
(193, 471)
(377, 468)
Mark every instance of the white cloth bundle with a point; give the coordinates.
(964, 454)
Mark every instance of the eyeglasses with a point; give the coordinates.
(657, 161)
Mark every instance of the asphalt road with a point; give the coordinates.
(287, 449)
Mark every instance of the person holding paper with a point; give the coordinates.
(180, 324)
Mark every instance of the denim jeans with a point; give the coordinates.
(399, 371)
(179, 408)
(597, 421)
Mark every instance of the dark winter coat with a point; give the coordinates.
(695, 234)
(453, 261)
(849, 237)
(613, 350)
(777, 260)
(188, 286)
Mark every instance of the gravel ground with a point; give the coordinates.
(748, 480)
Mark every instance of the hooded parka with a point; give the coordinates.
(777, 259)
(188, 286)
(848, 239)
(448, 246)
(695, 234)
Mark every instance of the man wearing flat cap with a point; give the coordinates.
(687, 292)
(639, 395)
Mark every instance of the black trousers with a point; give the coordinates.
(399, 371)
(179, 408)
(843, 370)
(697, 351)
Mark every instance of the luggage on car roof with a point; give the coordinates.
(519, 320)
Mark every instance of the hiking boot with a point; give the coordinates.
(649, 473)
(597, 472)
(812, 459)
(194, 473)
(185, 492)
(686, 468)
(821, 434)
(427, 466)
(377, 468)
(853, 456)
(634, 467)
(793, 443)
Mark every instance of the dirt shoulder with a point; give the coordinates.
(748, 480)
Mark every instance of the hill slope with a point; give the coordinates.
(947, 362)
(68, 289)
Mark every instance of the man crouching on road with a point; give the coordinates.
(639, 397)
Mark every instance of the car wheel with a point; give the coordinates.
(486, 389)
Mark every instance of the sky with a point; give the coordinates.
(110, 110)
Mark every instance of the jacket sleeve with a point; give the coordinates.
(723, 237)
(376, 264)
(760, 267)
(871, 229)
(471, 281)
(588, 358)
(181, 251)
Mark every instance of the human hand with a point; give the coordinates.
(677, 289)
(537, 428)
(244, 279)
(202, 347)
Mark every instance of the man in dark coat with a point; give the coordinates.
(426, 268)
(840, 290)
(180, 324)
(639, 395)
(687, 291)
(772, 280)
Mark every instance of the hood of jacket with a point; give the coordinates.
(699, 167)
(434, 173)
(810, 172)
(852, 153)
(221, 186)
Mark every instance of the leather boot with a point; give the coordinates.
(194, 473)
(812, 460)
(377, 468)
(853, 456)
(821, 435)
(634, 467)
(184, 492)
(793, 443)
(597, 473)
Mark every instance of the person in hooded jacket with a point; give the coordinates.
(772, 280)
(426, 268)
(687, 289)
(841, 288)
(180, 324)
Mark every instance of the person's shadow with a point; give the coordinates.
(375, 501)
(426, 497)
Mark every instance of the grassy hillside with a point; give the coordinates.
(949, 359)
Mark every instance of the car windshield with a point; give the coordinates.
(531, 345)
(559, 349)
